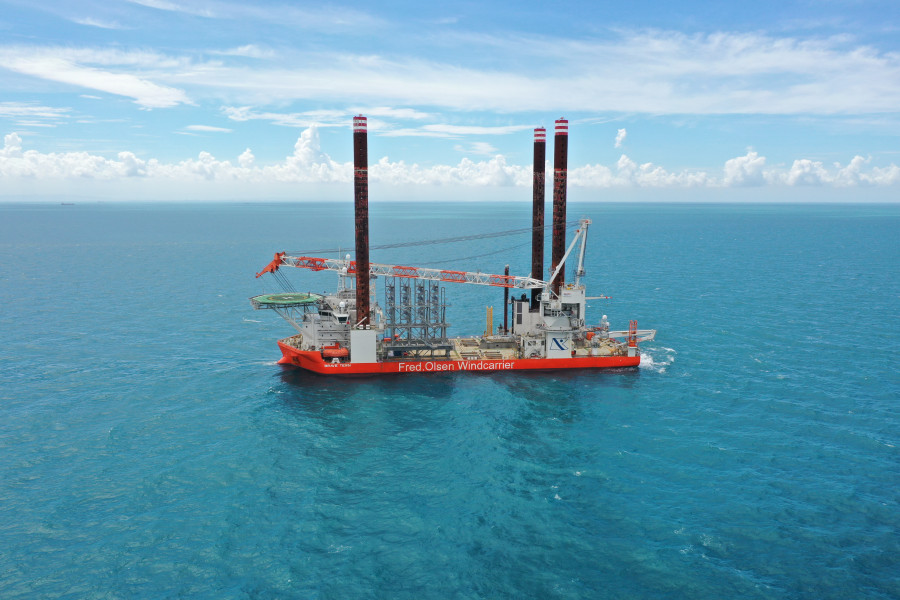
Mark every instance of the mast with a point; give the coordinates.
(537, 211)
(560, 177)
(506, 303)
(361, 210)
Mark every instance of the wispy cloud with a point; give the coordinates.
(76, 68)
(247, 50)
(168, 6)
(295, 119)
(394, 113)
(657, 72)
(91, 22)
(25, 109)
(647, 72)
(323, 17)
(455, 130)
(478, 148)
(328, 117)
(208, 128)
(447, 131)
(620, 137)
(33, 115)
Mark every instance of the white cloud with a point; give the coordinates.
(314, 17)
(132, 166)
(457, 130)
(208, 128)
(339, 118)
(807, 172)
(482, 148)
(394, 113)
(415, 132)
(71, 67)
(248, 50)
(168, 6)
(12, 146)
(91, 22)
(628, 173)
(884, 175)
(309, 164)
(620, 137)
(493, 172)
(443, 130)
(745, 170)
(318, 17)
(299, 119)
(655, 72)
(22, 111)
(814, 173)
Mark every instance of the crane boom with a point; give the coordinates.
(348, 267)
(283, 259)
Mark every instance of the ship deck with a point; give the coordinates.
(484, 348)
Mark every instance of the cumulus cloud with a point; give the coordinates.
(132, 166)
(628, 173)
(492, 172)
(309, 164)
(815, 173)
(12, 146)
(745, 170)
(620, 137)
(807, 172)
(246, 159)
(884, 175)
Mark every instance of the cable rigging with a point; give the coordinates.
(450, 240)
(286, 285)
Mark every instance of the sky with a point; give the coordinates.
(773, 100)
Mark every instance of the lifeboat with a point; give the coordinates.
(335, 351)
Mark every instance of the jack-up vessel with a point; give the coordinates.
(347, 332)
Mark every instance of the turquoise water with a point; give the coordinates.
(151, 447)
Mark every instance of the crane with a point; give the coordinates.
(348, 267)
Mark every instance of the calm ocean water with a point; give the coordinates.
(150, 447)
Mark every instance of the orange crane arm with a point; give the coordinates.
(349, 267)
(272, 266)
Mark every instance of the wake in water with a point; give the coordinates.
(656, 359)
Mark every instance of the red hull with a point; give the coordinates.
(312, 361)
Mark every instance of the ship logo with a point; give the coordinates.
(559, 344)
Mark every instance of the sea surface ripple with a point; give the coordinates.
(151, 448)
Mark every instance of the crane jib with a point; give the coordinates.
(376, 269)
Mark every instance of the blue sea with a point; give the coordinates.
(151, 447)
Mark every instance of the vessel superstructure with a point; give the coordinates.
(349, 332)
